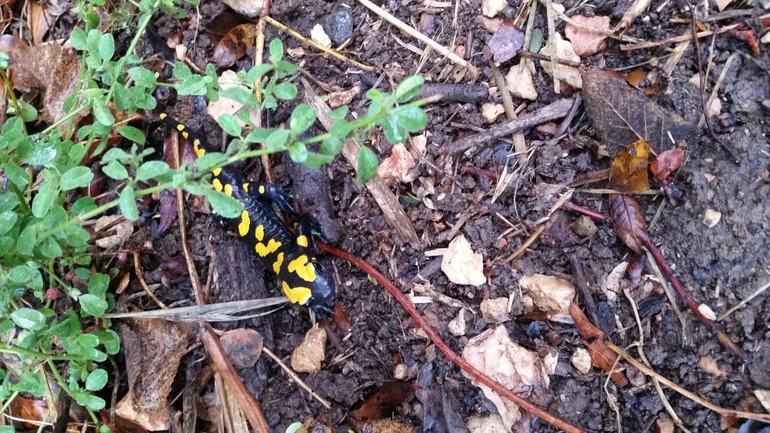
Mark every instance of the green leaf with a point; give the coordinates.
(45, 197)
(402, 121)
(102, 114)
(181, 71)
(78, 39)
(229, 124)
(28, 318)
(56, 217)
(106, 46)
(37, 153)
(277, 140)
(367, 165)
(116, 154)
(302, 118)
(50, 248)
(338, 113)
(276, 50)
(22, 274)
(66, 327)
(131, 133)
(16, 174)
(30, 382)
(374, 95)
(122, 98)
(95, 403)
(110, 340)
(151, 169)
(225, 206)
(96, 380)
(194, 85)
(115, 170)
(257, 72)
(240, 95)
(92, 305)
(298, 152)
(98, 284)
(209, 161)
(88, 340)
(128, 203)
(142, 77)
(25, 244)
(83, 205)
(7, 221)
(331, 146)
(285, 91)
(317, 160)
(28, 112)
(93, 354)
(259, 135)
(76, 177)
(409, 88)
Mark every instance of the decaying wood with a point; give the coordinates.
(550, 112)
(386, 200)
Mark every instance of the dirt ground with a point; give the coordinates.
(720, 265)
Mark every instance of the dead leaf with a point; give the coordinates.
(628, 173)
(564, 51)
(243, 346)
(666, 162)
(514, 367)
(338, 99)
(39, 21)
(121, 425)
(649, 83)
(519, 81)
(506, 42)
(222, 106)
(234, 44)
(30, 410)
(622, 115)
(763, 396)
(604, 358)
(628, 220)
(550, 294)
(584, 41)
(584, 326)
(461, 265)
(383, 403)
(708, 364)
(220, 26)
(122, 231)
(308, 356)
(749, 37)
(397, 165)
(495, 310)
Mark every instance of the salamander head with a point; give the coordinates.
(322, 297)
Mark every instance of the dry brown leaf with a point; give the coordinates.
(234, 44)
(621, 114)
(604, 358)
(666, 162)
(506, 42)
(628, 172)
(461, 265)
(397, 165)
(584, 326)
(564, 51)
(514, 367)
(39, 21)
(243, 346)
(628, 220)
(308, 356)
(587, 42)
(383, 403)
(550, 294)
(338, 99)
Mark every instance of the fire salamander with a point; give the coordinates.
(303, 279)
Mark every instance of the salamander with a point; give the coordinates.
(304, 280)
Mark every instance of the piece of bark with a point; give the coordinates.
(550, 112)
(622, 115)
(386, 200)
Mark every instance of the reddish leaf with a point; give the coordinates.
(30, 410)
(604, 358)
(647, 83)
(666, 162)
(629, 222)
(749, 37)
(382, 403)
(218, 28)
(584, 326)
(506, 42)
(122, 425)
(628, 172)
(233, 46)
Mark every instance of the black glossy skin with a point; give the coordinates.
(304, 280)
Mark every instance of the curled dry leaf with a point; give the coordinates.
(243, 346)
(223, 105)
(487, 424)
(122, 231)
(519, 81)
(461, 265)
(397, 165)
(234, 44)
(587, 42)
(307, 357)
(629, 222)
(506, 42)
(584, 326)
(383, 403)
(338, 99)
(666, 162)
(509, 364)
(550, 294)
(628, 172)
(564, 51)
(604, 358)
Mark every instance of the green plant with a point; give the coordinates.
(43, 246)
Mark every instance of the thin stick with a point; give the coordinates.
(145, 287)
(552, 44)
(332, 53)
(526, 244)
(296, 378)
(718, 85)
(652, 44)
(444, 51)
(705, 403)
(745, 301)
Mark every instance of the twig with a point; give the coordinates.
(667, 291)
(557, 75)
(717, 86)
(332, 53)
(526, 244)
(519, 145)
(633, 11)
(707, 404)
(442, 346)
(652, 44)
(296, 378)
(744, 302)
(140, 277)
(444, 51)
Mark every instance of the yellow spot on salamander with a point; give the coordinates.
(260, 232)
(271, 247)
(278, 263)
(243, 227)
(302, 241)
(185, 134)
(302, 268)
(262, 189)
(246, 187)
(180, 127)
(296, 295)
(216, 171)
(198, 150)
(217, 184)
(163, 116)
(229, 189)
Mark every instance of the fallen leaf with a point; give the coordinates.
(564, 51)
(461, 265)
(31, 410)
(397, 165)
(649, 83)
(121, 424)
(38, 21)
(550, 294)
(308, 356)
(495, 310)
(604, 358)
(514, 367)
(234, 44)
(584, 326)
(763, 396)
(243, 346)
(122, 231)
(519, 81)
(218, 27)
(628, 220)
(584, 41)
(621, 114)
(223, 105)
(666, 162)
(338, 99)
(749, 37)
(628, 172)
(506, 42)
(383, 403)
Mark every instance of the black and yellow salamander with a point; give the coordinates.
(304, 280)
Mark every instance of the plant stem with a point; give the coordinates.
(67, 389)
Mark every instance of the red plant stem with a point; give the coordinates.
(436, 339)
(580, 210)
(477, 171)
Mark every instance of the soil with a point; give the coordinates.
(720, 266)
